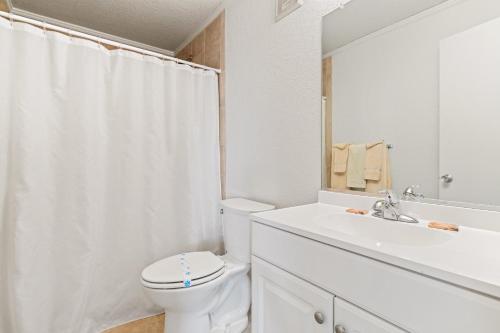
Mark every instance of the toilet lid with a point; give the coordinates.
(184, 270)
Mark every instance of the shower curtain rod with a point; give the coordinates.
(74, 33)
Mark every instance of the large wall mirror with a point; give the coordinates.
(411, 96)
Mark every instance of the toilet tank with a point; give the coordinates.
(236, 226)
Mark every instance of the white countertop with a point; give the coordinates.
(470, 258)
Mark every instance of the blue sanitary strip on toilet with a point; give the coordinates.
(186, 271)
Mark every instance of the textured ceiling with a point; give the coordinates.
(362, 17)
(160, 23)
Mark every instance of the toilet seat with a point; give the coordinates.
(183, 271)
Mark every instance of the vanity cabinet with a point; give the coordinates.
(283, 303)
(351, 319)
(295, 277)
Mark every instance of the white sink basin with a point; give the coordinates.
(382, 231)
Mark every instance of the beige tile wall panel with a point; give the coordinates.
(186, 53)
(208, 48)
(213, 43)
(327, 81)
(198, 51)
(3, 6)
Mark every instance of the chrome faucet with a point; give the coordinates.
(410, 193)
(388, 208)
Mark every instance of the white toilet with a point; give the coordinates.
(202, 292)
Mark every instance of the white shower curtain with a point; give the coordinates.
(108, 162)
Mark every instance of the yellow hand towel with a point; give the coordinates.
(374, 158)
(339, 157)
(377, 167)
(340, 151)
(356, 166)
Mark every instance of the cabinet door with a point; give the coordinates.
(351, 319)
(283, 303)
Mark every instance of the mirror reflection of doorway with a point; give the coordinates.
(469, 154)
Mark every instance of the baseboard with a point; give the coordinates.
(153, 324)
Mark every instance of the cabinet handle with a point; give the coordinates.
(319, 317)
(340, 329)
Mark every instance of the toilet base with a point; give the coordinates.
(182, 323)
(238, 326)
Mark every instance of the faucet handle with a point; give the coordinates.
(411, 193)
(378, 206)
(390, 197)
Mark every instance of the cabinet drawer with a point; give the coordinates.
(283, 303)
(351, 319)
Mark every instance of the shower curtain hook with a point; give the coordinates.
(44, 26)
(11, 19)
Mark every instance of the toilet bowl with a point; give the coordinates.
(202, 292)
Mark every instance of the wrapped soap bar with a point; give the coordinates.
(443, 226)
(356, 211)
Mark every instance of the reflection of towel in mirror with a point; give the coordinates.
(356, 167)
(374, 157)
(340, 152)
(377, 169)
(339, 160)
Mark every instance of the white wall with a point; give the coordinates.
(274, 101)
(386, 87)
